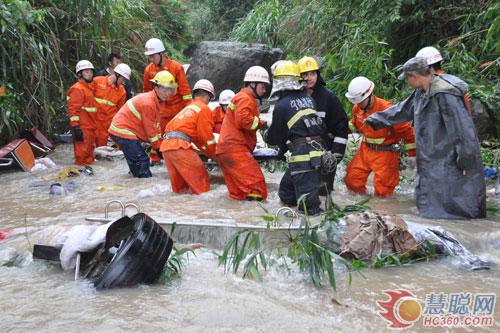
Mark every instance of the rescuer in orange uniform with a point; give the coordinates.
(138, 121)
(379, 150)
(219, 112)
(82, 113)
(110, 95)
(193, 124)
(237, 139)
(434, 59)
(159, 61)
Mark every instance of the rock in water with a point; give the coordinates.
(225, 63)
(483, 121)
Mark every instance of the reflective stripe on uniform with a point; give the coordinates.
(306, 157)
(194, 108)
(89, 109)
(104, 101)
(122, 131)
(340, 140)
(133, 109)
(322, 114)
(254, 195)
(155, 138)
(231, 106)
(299, 115)
(211, 142)
(255, 123)
(410, 146)
(74, 118)
(352, 127)
(67, 98)
(376, 141)
(186, 97)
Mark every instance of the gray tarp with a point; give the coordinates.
(447, 144)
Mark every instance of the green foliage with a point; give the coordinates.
(262, 24)
(214, 19)
(428, 252)
(490, 153)
(10, 114)
(174, 265)
(372, 37)
(176, 261)
(304, 248)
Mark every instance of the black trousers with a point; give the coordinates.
(292, 187)
(327, 180)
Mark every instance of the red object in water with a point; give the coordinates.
(4, 233)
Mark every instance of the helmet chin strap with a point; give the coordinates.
(370, 102)
(255, 92)
(161, 60)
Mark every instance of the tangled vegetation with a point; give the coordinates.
(372, 37)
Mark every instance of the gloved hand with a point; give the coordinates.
(77, 133)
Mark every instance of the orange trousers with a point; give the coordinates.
(186, 171)
(84, 150)
(243, 177)
(102, 136)
(385, 165)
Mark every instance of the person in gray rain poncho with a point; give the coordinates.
(450, 182)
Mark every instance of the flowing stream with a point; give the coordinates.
(38, 296)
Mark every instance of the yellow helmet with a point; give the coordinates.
(164, 79)
(286, 68)
(307, 64)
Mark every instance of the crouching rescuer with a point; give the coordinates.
(193, 124)
(297, 127)
(138, 121)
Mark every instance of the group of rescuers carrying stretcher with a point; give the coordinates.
(308, 121)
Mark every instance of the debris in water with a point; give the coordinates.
(110, 188)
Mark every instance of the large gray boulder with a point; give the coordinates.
(485, 124)
(225, 63)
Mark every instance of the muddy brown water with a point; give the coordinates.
(37, 296)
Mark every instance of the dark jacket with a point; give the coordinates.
(447, 145)
(128, 84)
(295, 117)
(332, 112)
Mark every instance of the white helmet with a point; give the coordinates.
(430, 54)
(205, 85)
(153, 46)
(256, 74)
(226, 96)
(83, 64)
(124, 70)
(359, 89)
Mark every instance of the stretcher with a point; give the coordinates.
(267, 157)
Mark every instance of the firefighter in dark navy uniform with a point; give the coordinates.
(297, 127)
(330, 109)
